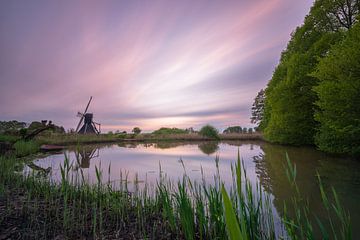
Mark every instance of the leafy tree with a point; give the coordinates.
(290, 102)
(233, 129)
(209, 131)
(23, 132)
(257, 109)
(339, 97)
(136, 130)
(11, 126)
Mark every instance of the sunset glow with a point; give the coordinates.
(146, 63)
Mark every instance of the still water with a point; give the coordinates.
(264, 163)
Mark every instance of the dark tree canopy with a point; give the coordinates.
(233, 129)
(136, 130)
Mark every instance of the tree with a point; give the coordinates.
(339, 97)
(136, 130)
(233, 129)
(289, 108)
(209, 131)
(257, 109)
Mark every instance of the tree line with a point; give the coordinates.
(313, 96)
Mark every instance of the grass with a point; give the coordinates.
(159, 136)
(8, 138)
(38, 208)
(73, 139)
(23, 148)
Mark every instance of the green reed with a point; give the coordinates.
(74, 208)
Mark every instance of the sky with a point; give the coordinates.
(146, 63)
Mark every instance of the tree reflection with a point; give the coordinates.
(209, 147)
(340, 173)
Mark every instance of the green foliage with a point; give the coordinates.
(136, 130)
(257, 109)
(24, 148)
(339, 97)
(232, 224)
(165, 130)
(8, 138)
(233, 129)
(23, 132)
(11, 127)
(209, 131)
(290, 100)
(191, 210)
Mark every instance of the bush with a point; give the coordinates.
(209, 131)
(164, 130)
(136, 130)
(233, 129)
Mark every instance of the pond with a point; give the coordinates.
(264, 163)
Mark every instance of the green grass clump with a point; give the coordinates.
(24, 148)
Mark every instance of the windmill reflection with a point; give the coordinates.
(84, 155)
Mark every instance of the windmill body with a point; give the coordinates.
(86, 120)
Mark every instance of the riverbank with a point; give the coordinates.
(32, 207)
(74, 139)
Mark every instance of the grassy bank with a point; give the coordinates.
(32, 207)
(73, 139)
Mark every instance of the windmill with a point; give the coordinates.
(89, 126)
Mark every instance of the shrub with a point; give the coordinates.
(136, 130)
(164, 130)
(209, 131)
(233, 129)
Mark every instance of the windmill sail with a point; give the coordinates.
(88, 126)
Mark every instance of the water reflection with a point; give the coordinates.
(342, 174)
(85, 154)
(209, 148)
(263, 162)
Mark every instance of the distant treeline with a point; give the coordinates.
(15, 127)
(314, 94)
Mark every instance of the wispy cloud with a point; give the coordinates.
(147, 63)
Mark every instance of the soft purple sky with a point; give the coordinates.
(146, 63)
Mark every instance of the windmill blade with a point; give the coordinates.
(78, 126)
(87, 106)
(82, 116)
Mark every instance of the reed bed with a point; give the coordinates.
(33, 207)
